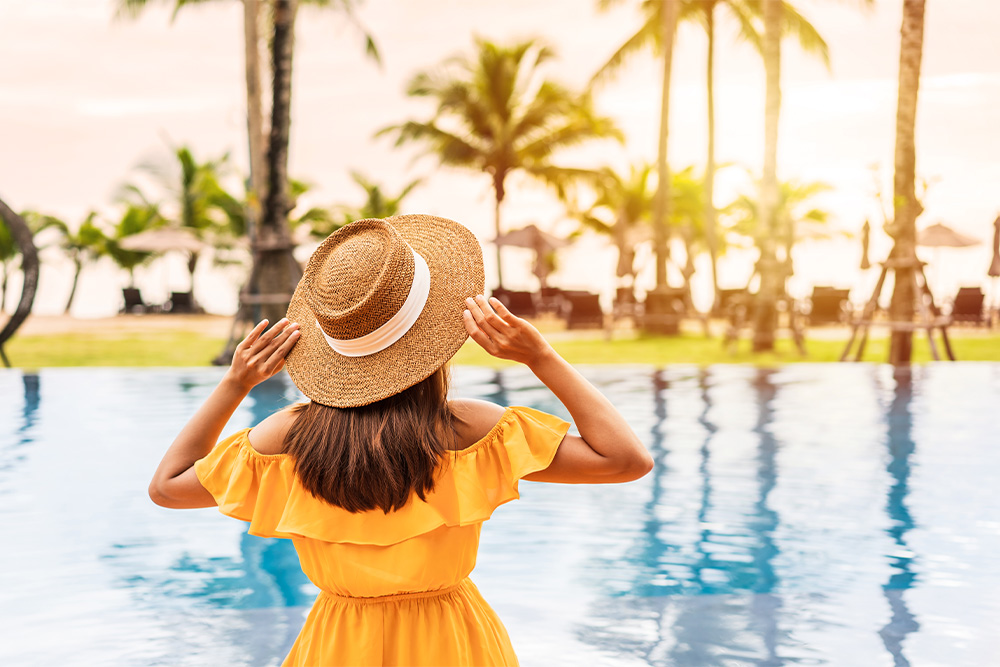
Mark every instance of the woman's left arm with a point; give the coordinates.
(259, 356)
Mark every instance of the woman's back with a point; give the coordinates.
(408, 568)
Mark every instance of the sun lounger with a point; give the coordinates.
(584, 310)
(967, 307)
(829, 305)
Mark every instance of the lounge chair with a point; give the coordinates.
(134, 303)
(551, 300)
(583, 311)
(730, 299)
(521, 304)
(829, 305)
(626, 305)
(663, 311)
(967, 307)
(181, 302)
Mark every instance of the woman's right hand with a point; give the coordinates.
(262, 353)
(503, 334)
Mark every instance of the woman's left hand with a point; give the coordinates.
(262, 353)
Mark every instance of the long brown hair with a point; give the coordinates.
(377, 455)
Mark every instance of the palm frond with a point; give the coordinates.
(809, 38)
(635, 44)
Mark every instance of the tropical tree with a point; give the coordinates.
(258, 20)
(777, 16)
(377, 204)
(82, 245)
(796, 216)
(906, 206)
(496, 114)
(195, 196)
(622, 209)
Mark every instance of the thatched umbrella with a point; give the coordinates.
(942, 236)
(166, 239)
(534, 238)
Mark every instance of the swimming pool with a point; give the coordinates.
(812, 514)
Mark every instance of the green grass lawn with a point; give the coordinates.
(184, 348)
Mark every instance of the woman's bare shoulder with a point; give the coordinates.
(268, 437)
(473, 419)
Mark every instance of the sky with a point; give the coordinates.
(85, 98)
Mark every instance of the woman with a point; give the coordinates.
(381, 482)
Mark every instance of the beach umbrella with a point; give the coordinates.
(530, 237)
(865, 234)
(535, 239)
(994, 271)
(163, 239)
(942, 236)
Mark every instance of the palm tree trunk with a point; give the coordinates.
(496, 222)
(192, 264)
(906, 208)
(3, 289)
(771, 276)
(256, 140)
(710, 213)
(29, 267)
(278, 271)
(662, 201)
(76, 279)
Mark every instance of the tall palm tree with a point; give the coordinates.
(496, 114)
(746, 13)
(658, 30)
(257, 21)
(779, 19)
(906, 206)
(82, 245)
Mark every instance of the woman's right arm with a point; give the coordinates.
(607, 449)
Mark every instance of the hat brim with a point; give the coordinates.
(455, 260)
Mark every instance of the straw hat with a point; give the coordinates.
(380, 307)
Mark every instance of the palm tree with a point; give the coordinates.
(623, 206)
(777, 16)
(658, 29)
(377, 204)
(257, 20)
(195, 195)
(496, 114)
(796, 216)
(906, 206)
(83, 245)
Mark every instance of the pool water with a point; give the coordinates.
(809, 515)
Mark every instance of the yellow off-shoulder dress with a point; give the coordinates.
(394, 588)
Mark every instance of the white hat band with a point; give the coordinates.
(397, 325)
